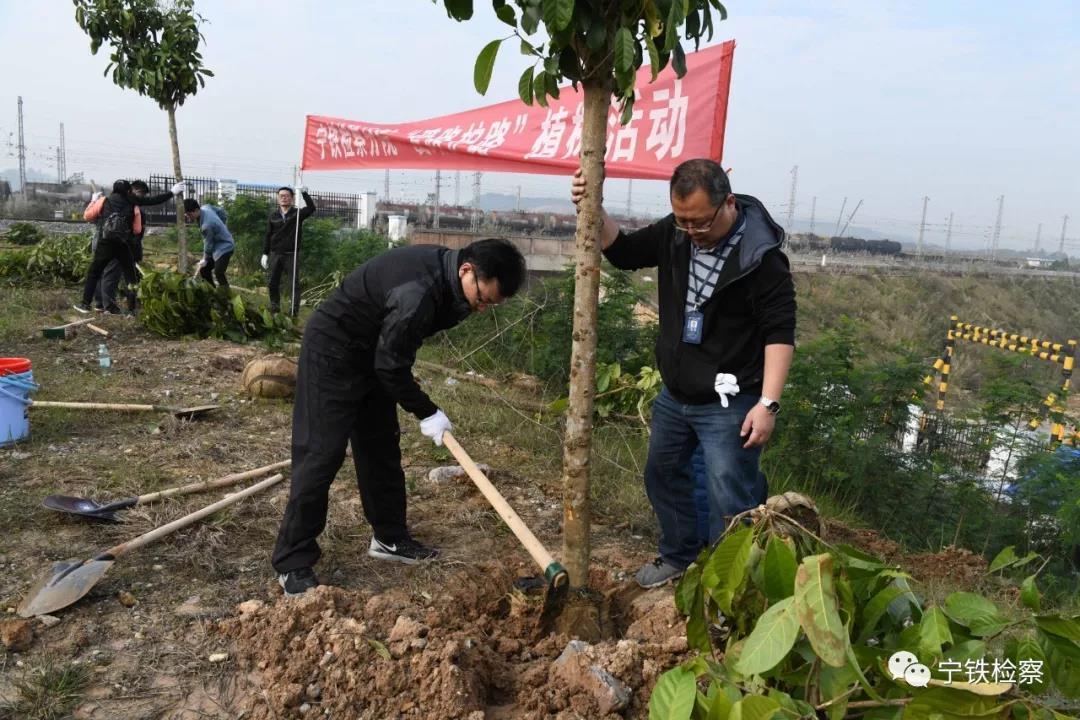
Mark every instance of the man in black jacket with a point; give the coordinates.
(727, 336)
(117, 226)
(110, 278)
(355, 368)
(281, 240)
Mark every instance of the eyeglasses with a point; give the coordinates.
(480, 299)
(698, 228)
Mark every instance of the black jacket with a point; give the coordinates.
(281, 230)
(382, 312)
(119, 203)
(753, 305)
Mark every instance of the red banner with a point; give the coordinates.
(673, 120)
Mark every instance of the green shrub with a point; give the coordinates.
(57, 258)
(21, 233)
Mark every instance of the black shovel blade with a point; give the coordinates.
(65, 584)
(87, 508)
(191, 413)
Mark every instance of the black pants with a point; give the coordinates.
(106, 252)
(110, 278)
(337, 404)
(282, 264)
(216, 269)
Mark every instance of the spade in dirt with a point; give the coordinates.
(583, 616)
(97, 511)
(67, 582)
(186, 413)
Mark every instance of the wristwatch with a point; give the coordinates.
(771, 405)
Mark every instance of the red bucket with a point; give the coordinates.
(12, 366)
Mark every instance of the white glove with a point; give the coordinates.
(434, 426)
(726, 385)
(97, 196)
(265, 262)
(302, 189)
(179, 188)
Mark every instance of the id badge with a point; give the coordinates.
(692, 328)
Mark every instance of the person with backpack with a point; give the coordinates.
(281, 241)
(116, 225)
(218, 243)
(105, 294)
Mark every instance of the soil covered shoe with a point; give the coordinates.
(656, 573)
(297, 582)
(407, 551)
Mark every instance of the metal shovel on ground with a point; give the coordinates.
(558, 581)
(108, 511)
(67, 582)
(186, 413)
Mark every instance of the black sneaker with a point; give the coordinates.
(297, 582)
(407, 551)
(82, 308)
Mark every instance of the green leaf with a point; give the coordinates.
(697, 631)
(875, 609)
(540, 88)
(597, 35)
(506, 14)
(719, 703)
(725, 569)
(525, 86)
(485, 63)
(754, 707)
(1068, 628)
(834, 682)
(459, 9)
(1063, 659)
(933, 632)
(671, 28)
(771, 640)
(1028, 649)
(1003, 559)
(238, 307)
(975, 613)
(654, 56)
(778, 572)
(942, 703)
(689, 585)
(673, 697)
(678, 60)
(1029, 594)
(624, 51)
(379, 648)
(558, 14)
(817, 609)
(530, 18)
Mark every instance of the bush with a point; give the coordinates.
(57, 258)
(21, 233)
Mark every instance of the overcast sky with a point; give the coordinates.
(887, 102)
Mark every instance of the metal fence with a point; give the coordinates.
(344, 206)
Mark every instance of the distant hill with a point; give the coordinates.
(32, 175)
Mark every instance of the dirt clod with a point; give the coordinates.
(16, 635)
(126, 599)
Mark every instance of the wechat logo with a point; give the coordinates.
(905, 666)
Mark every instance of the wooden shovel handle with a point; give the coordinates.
(538, 552)
(158, 533)
(100, 331)
(77, 323)
(93, 405)
(211, 484)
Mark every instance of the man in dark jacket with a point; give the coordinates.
(110, 278)
(727, 336)
(281, 240)
(116, 224)
(355, 368)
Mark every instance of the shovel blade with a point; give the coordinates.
(80, 506)
(192, 413)
(65, 584)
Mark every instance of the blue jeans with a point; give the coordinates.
(734, 482)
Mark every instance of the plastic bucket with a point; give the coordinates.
(16, 384)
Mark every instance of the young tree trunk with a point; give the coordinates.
(577, 441)
(181, 238)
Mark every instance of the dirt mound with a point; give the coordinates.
(470, 651)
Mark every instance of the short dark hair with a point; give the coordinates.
(286, 187)
(190, 205)
(121, 186)
(701, 174)
(498, 259)
(140, 185)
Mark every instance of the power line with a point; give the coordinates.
(997, 229)
(791, 198)
(922, 226)
(22, 153)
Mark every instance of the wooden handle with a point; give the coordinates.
(210, 484)
(92, 405)
(538, 552)
(84, 321)
(100, 331)
(158, 533)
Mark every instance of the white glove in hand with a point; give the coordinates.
(726, 386)
(265, 261)
(434, 426)
(179, 188)
(302, 189)
(97, 196)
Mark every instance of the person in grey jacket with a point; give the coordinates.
(218, 244)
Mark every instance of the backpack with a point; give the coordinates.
(115, 225)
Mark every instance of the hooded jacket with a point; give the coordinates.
(383, 311)
(752, 306)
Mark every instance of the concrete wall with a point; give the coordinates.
(542, 254)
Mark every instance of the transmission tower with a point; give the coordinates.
(474, 223)
(63, 156)
(922, 226)
(386, 186)
(1038, 237)
(438, 196)
(519, 198)
(841, 218)
(22, 153)
(948, 234)
(813, 213)
(791, 198)
(629, 196)
(457, 188)
(997, 230)
(1061, 246)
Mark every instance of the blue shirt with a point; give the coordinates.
(217, 240)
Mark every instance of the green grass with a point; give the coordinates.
(49, 691)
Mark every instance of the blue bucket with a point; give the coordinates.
(15, 388)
